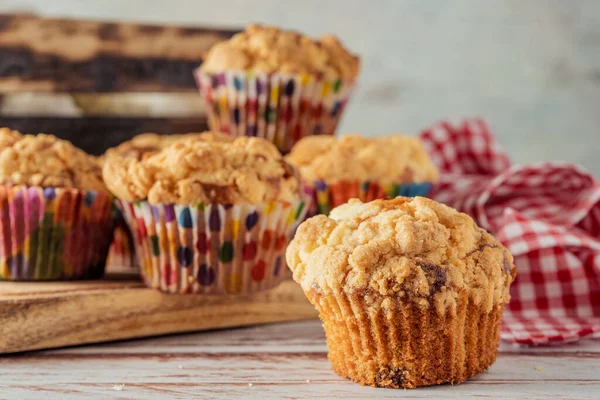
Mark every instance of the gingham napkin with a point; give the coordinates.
(547, 214)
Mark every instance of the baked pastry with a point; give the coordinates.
(410, 291)
(56, 212)
(276, 84)
(270, 49)
(213, 213)
(145, 144)
(121, 256)
(335, 170)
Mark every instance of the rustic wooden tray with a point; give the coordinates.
(42, 315)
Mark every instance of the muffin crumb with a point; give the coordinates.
(270, 49)
(412, 248)
(388, 159)
(208, 168)
(145, 144)
(46, 161)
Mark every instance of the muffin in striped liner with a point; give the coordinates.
(335, 170)
(276, 84)
(213, 214)
(56, 215)
(121, 255)
(410, 291)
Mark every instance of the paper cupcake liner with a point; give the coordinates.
(53, 233)
(214, 249)
(281, 108)
(404, 345)
(121, 254)
(326, 196)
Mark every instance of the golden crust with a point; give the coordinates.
(145, 144)
(206, 168)
(270, 49)
(412, 249)
(47, 161)
(387, 160)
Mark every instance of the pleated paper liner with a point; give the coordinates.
(402, 345)
(121, 255)
(326, 196)
(281, 108)
(53, 233)
(214, 248)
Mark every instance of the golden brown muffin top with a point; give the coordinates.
(271, 49)
(144, 144)
(46, 161)
(208, 168)
(415, 249)
(388, 159)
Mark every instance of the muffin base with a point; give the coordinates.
(281, 108)
(406, 346)
(51, 234)
(326, 196)
(214, 248)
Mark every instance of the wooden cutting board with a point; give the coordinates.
(42, 315)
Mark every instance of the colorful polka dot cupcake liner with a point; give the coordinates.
(121, 255)
(214, 249)
(281, 108)
(54, 233)
(328, 196)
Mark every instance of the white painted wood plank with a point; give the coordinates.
(305, 336)
(342, 390)
(273, 376)
(277, 360)
(258, 367)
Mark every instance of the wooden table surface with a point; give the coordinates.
(274, 361)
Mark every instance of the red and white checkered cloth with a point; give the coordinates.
(547, 214)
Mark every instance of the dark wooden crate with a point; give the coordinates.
(59, 56)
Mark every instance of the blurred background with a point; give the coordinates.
(531, 68)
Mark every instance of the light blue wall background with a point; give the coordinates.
(530, 67)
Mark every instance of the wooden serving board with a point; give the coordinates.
(42, 315)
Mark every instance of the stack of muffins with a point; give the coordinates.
(410, 291)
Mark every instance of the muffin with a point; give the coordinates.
(276, 84)
(121, 256)
(56, 212)
(335, 170)
(213, 213)
(410, 291)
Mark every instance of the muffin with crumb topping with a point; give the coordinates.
(56, 212)
(335, 170)
(121, 256)
(277, 84)
(213, 213)
(411, 292)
